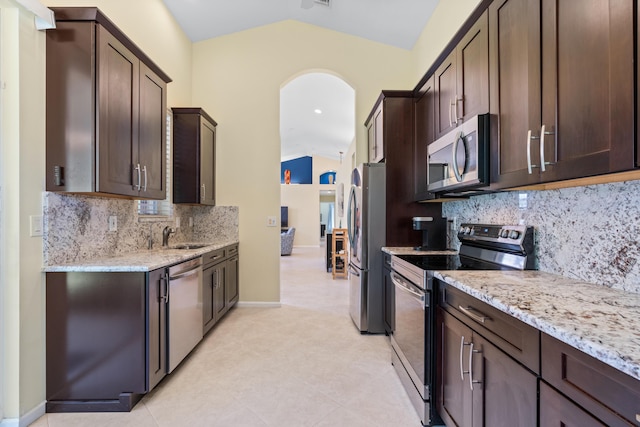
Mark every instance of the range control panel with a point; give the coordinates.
(516, 236)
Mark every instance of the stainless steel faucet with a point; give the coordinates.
(166, 232)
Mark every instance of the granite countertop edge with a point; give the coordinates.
(139, 261)
(594, 319)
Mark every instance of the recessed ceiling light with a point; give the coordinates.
(317, 111)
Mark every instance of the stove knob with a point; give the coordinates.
(514, 234)
(504, 233)
(467, 230)
(462, 229)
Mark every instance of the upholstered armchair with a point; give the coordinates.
(286, 241)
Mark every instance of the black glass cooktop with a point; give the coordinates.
(450, 262)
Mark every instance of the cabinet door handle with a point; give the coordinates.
(471, 380)
(144, 169)
(203, 193)
(451, 105)
(462, 371)
(455, 109)
(137, 186)
(529, 165)
(543, 132)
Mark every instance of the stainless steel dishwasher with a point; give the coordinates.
(185, 310)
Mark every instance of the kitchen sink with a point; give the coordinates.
(189, 246)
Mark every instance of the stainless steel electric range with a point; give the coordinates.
(483, 247)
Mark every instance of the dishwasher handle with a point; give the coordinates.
(185, 273)
(186, 268)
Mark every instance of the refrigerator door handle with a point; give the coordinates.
(350, 206)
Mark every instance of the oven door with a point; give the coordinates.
(411, 335)
(459, 159)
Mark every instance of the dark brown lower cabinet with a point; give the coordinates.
(610, 395)
(481, 385)
(220, 290)
(106, 339)
(558, 411)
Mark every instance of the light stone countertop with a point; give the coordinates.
(411, 251)
(145, 260)
(600, 321)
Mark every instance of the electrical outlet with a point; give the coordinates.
(177, 222)
(35, 223)
(522, 201)
(113, 223)
(191, 222)
(272, 221)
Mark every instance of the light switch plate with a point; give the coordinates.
(272, 221)
(113, 223)
(35, 225)
(177, 222)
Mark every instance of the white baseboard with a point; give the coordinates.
(258, 304)
(27, 419)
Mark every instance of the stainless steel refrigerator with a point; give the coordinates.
(366, 227)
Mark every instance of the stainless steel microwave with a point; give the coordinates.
(459, 160)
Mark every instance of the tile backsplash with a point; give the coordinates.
(588, 233)
(76, 227)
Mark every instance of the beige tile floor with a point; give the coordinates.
(303, 364)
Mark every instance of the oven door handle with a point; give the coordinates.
(403, 286)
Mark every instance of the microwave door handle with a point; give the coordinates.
(454, 157)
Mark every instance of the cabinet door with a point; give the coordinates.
(207, 162)
(157, 329)
(219, 300)
(231, 282)
(153, 134)
(504, 392)
(119, 171)
(208, 278)
(376, 135)
(455, 398)
(514, 52)
(472, 71)
(587, 87)
(424, 135)
(446, 96)
(558, 411)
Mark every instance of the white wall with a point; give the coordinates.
(237, 79)
(445, 22)
(22, 165)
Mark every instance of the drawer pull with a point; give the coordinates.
(469, 311)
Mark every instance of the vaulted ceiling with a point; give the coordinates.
(397, 23)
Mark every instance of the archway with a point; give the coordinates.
(317, 121)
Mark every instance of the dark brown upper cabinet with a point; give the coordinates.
(375, 135)
(105, 110)
(194, 157)
(562, 90)
(462, 79)
(424, 110)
